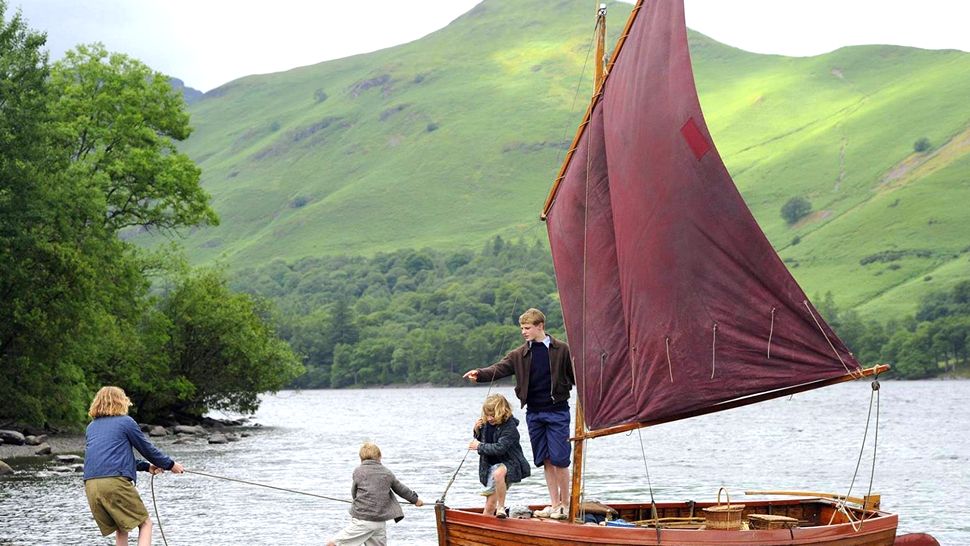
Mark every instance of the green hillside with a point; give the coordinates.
(449, 140)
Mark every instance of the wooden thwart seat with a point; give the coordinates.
(770, 521)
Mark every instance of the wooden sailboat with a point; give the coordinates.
(675, 305)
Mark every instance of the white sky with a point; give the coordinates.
(209, 42)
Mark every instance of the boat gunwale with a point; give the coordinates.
(878, 521)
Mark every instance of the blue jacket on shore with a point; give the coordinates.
(107, 449)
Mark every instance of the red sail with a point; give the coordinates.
(674, 300)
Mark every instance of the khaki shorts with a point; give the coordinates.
(362, 532)
(115, 504)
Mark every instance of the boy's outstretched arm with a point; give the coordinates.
(405, 492)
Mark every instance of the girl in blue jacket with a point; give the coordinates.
(109, 467)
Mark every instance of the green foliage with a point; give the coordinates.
(936, 341)
(378, 186)
(121, 121)
(921, 145)
(795, 209)
(221, 349)
(418, 316)
(49, 254)
(87, 149)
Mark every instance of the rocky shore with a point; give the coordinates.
(24, 445)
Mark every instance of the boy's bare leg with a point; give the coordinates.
(562, 483)
(121, 538)
(145, 533)
(557, 480)
(551, 482)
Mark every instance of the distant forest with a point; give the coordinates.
(426, 316)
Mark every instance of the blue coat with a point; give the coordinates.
(507, 448)
(107, 449)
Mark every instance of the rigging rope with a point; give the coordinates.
(837, 355)
(267, 486)
(579, 83)
(441, 500)
(653, 503)
(841, 506)
(158, 517)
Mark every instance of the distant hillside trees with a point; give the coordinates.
(426, 316)
(933, 342)
(87, 149)
(410, 316)
(795, 209)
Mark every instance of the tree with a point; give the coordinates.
(795, 209)
(47, 253)
(121, 122)
(223, 349)
(921, 145)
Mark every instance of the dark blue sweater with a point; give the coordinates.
(107, 449)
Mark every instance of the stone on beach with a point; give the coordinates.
(35, 440)
(186, 429)
(69, 459)
(12, 437)
(157, 431)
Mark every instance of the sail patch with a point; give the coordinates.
(695, 139)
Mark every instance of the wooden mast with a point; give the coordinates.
(575, 490)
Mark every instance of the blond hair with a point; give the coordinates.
(370, 451)
(497, 406)
(532, 316)
(109, 401)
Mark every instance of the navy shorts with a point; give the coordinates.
(549, 433)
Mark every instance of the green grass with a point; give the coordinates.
(449, 140)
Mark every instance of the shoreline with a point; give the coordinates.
(61, 444)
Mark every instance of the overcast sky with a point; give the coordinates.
(209, 42)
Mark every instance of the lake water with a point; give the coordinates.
(308, 441)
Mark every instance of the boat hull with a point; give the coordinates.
(468, 527)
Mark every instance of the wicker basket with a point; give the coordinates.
(725, 517)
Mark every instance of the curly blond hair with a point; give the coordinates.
(109, 401)
(497, 406)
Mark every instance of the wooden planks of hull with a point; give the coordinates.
(470, 528)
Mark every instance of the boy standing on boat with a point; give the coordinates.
(543, 372)
(374, 503)
(109, 467)
(500, 459)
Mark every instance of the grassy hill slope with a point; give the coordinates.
(453, 138)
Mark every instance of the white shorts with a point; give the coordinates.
(362, 532)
